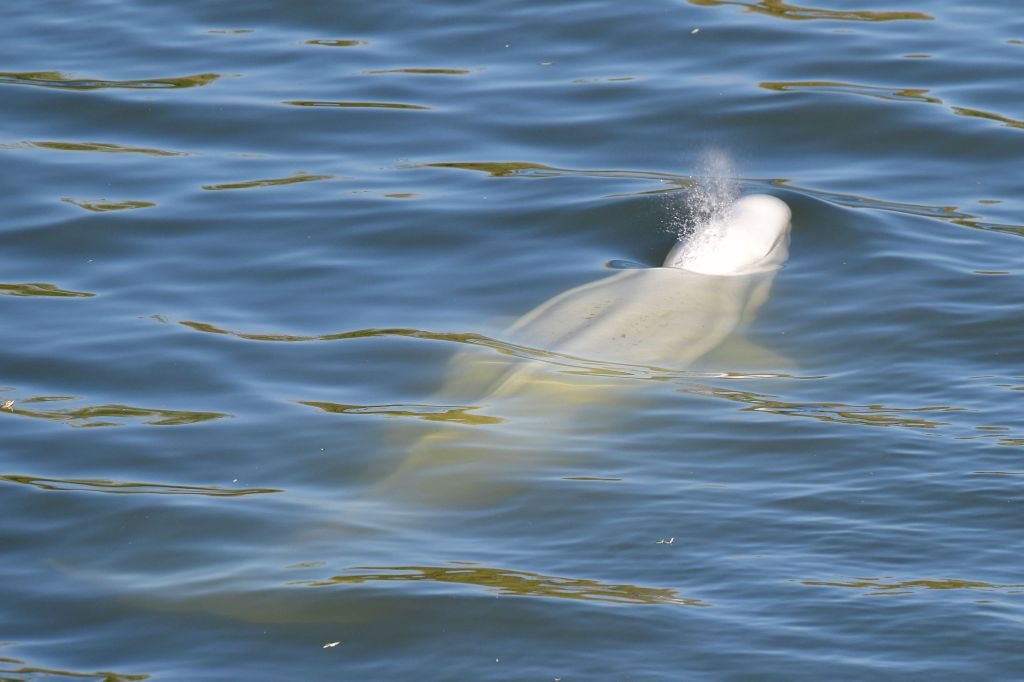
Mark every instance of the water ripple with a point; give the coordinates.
(355, 105)
(56, 79)
(336, 43)
(105, 147)
(783, 10)
(101, 415)
(17, 666)
(607, 79)
(570, 363)
(878, 586)
(988, 115)
(270, 182)
(887, 93)
(41, 289)
(894, 94)
(511, 583)
(102, 205)
(422, 72)
(500, 169)
(101, 485)
(434, 413)
(838, 412)
(948, 214)
(842, 413)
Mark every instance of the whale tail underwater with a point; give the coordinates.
(581, 352)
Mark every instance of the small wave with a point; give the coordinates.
(102, 485)
(385, 195)
(500, 169)
(41, 289)
(879, 586)
(103, 206)
(594, 479)
(104, 147)
(888, 93)
(895, 94)
(433, 413)
(270, 182)
(56, 79)
(336, 43)
(510, 583)
(989, 116)
(783, 10)
(929, 417)
(16, 666)
(837, 412)
(105, 415)
(570, 364)
(356, 105)
(607, 79)
(422, 72)
(948, 214)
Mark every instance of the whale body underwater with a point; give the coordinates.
(581, 342)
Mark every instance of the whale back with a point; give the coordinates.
(655, 316)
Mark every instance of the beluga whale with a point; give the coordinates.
(565, 367)
(674, 314)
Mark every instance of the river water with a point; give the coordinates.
(243, 243)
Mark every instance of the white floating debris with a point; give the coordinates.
(695, 31)
(331, 645)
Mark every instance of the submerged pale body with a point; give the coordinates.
(667, 317)
(674, 314)
(578, 343)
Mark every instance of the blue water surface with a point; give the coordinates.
(252, 249)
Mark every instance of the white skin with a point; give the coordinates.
(667, 317)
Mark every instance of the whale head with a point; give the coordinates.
(753, 236)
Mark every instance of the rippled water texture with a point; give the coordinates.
(258, 271)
